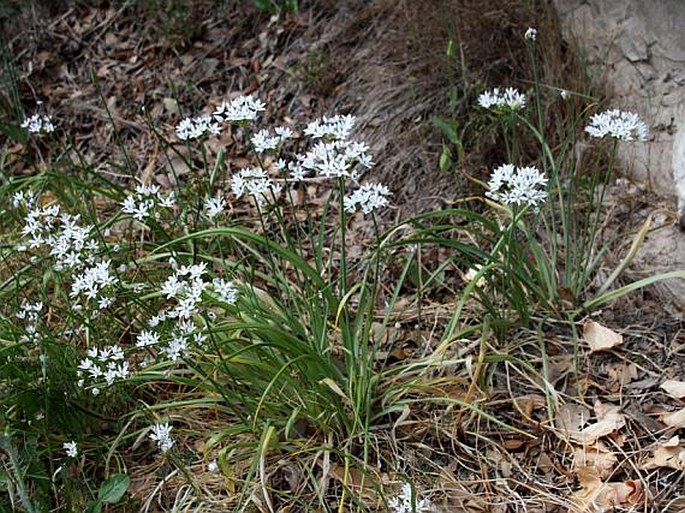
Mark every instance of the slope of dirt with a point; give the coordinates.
(105, 72)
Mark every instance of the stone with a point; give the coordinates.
(638, 48)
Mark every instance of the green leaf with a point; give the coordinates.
(449, 130)
(450, 49)
(14, 132)
(452, 97)
(94, 507)
(445, 159)
(114, 488)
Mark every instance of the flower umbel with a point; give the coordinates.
(196, 128)
(213, 206)
(71, 449)
(368, 197)
(255, 182)
(38, 124)
(509, 99)
(404, 502)
(242, 108)
(517, 185)
(531, 34)
(621, 125)
(160, 434)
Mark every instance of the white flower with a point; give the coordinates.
(368, 197)
(406, 500)
(160, 434)
(91, 281)
(71, 448)
(196, 128)
(214, 206)
(176, 348)
(105, 364)
(226, 291)
(213, 466)
(517, 185)
(336, 127)
(531, 34)
(242, 108)
(158, 319)
(510, 99)
(283, 132)
(143, 202)
(564, 94)
(336, 159)
(297, 172)
(167, 201)
(147, 338)
(38, 124)
(621, 125)
(255, 182)
(262, 141)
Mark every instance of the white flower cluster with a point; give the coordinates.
(531, 34)
(242, 108)
(296, 171)
(196, 128)
(161, 433)
(70, 244)
(186, 287)
(255, 182)
(495, 99)
(145, 201)
(38, 124)
(337, 159)
(72, 247)
(71, 449)
(106, 364)
(517, 185)
(24, 199)
(332, 156)
(262, 141)
(335, 127)
(213, 206)
(368, 197)
(95, 284)
(404, 502)
(621, 125)
(30, 313)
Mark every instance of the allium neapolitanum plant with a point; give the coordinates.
(127, 309)
(543, 221)
(129, 312)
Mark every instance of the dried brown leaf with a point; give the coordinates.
(670, 454)
(600, 338)
(597, 496)
(675, 389)
(572, 418)
(597, 458)
(674, 419)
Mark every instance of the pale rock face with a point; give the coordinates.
(637, 47)
(678, 164)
